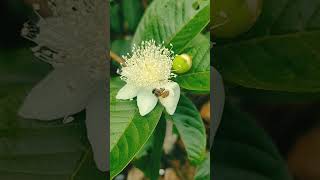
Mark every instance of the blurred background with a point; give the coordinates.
(267, 55)
(32, 149)
(13, 14)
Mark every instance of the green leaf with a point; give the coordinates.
(116, 21)
(129, 130)
(146, 148)
(191, 129)
(150, 164)
(19, 66)
(203, 170)
(121, 47)
(87, 169)
(35, 150)
(264, 97)
(132, 13)
(173, 22)
(242, 150)
(178, 23)
(281, 52)
(198, 78)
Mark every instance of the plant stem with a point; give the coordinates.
(144, 3)
(116, 58)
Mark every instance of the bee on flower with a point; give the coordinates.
(147, 72)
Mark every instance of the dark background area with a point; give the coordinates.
(285, 116)
(13, 14)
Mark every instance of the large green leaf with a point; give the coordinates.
(150, 163)
(35, 150)
(132, 13)
(281, 52)
(178, 23)
(129, 131)
(121, 47)
(203, 170)
(115, 17)
(198, 78)
(173, 22)
(19, 66)
(243, 151)
(258, 96)
(191, 129)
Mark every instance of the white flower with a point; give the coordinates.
(147, 73)
(73, 41)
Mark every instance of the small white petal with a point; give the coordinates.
(97, 126)
(171, 102)
(146, 101)
(65, 91)
(128, 91)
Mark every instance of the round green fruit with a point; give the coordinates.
(182, 64)
(233, 17)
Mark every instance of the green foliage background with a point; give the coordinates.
(175, 23)
(275, 62)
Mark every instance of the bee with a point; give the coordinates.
(160, 92)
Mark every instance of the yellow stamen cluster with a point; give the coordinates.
(149, 65)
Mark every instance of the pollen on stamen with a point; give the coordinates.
(148, 65)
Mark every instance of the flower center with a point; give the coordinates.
(149, 65)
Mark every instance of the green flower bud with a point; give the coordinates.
(182, 63)
(234, 17)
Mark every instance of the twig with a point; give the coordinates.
(117, 58)
(145, 4)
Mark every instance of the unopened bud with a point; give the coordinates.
(182, 64)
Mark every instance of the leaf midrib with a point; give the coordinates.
(139, 149)
(268, 37)
(47, 173)
(186, 24)
(125, 129)
(82, 161)
(194, 74)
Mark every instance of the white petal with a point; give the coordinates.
(63, 92)
(146, 101)
(218, 102)
(97, 126)
(171, 102)
(127, 92)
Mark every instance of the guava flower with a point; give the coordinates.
(72, 39)
(147, 73)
